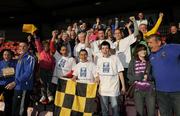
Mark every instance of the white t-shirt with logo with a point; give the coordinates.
(85, 71)
(124, 50)
(80, 46)
(108, 70)
(63, 66)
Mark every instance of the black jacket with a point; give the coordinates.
(131, 72)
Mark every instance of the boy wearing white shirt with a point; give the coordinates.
(95, 46)
(64, 64)
(109, 70)
(85, 71)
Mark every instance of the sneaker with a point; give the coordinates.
(50, 98)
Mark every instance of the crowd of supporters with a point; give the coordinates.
(117, 56)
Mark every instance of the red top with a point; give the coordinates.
(46, 60)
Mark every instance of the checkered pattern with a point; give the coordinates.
(75, 99)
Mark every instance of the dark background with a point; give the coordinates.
(51, 14)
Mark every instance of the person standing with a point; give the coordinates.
(174, 35)
(5, 79)
(144, 29)
(84, 71)
(165, 61)
(64, 63)
(46, 68)
(139, 75)
(23, 82)
(109, 72)
(141, 19)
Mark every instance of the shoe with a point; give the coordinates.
(50, 99)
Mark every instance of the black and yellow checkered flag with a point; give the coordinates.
(75, 98)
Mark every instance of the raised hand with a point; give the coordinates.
(54, 33)
(29, 38)
(128, 25)
(132, 18)
(161, 14)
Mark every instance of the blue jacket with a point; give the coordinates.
(4, 64)
(166, 68)
(24, 72)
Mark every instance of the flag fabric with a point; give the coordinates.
(75, 98)
(29, 28)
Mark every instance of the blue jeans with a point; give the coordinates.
(169, 102)
(147, 98)
(104, 100)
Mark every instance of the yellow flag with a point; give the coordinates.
(1, 97)
(29, 28)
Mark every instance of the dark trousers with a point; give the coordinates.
(8, 98)
(169, 103)
(125, 78)
(47, 86)
(20, 102)
(147, 98)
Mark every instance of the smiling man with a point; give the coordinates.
(23, 82)
(165, 61)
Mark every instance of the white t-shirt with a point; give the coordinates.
(108, 70)
(80, 46)
(63, 66)
(124, 50)
(85, 71)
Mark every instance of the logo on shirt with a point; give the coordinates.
(106, 67)
(152, 58)
(163, 54)
(83, 72)
(61, 63)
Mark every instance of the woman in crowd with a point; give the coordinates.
(5, 79)
(46, 67)
(139, 74)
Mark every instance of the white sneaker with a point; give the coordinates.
(50, 98)
(43, 99)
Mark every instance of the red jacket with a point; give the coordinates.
(46, 60)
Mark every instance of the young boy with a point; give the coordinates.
(85, 70)
(109, 70)
(64, 64)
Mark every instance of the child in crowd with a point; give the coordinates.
(109, 71)
(139, 74)
(64, 63)
(85, 70)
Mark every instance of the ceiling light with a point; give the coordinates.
(11, 17)
(98, 3)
